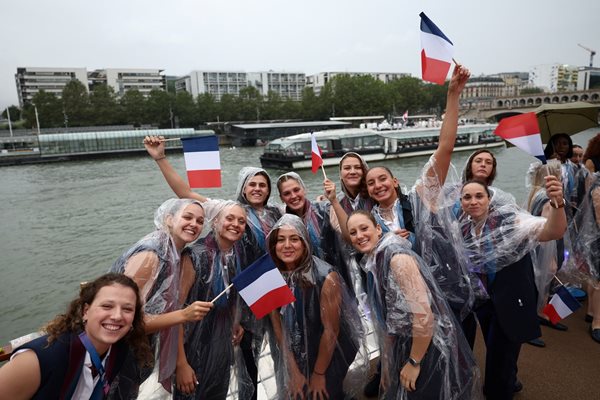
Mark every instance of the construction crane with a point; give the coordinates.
(592, 53)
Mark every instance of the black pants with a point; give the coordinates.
(247, 351)
(501, 356)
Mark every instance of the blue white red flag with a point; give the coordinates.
(524, 132)
(202, 161)
(317, 159)
(262, 287)
(436, 52)
(561, 305)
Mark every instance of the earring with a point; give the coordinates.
(84, 322)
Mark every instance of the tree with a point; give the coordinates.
(159, 108)
(249, 104)
(228, 108)
(531, 90)
(185, 110)
(49, 109)
(309, 105)
(14, 111)
(133, 106)
(207, 107)
(104, 107)
(272, 107)
(76, 104)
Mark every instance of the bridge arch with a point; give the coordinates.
(555, 99)
(538, 101)
(595, 97)
(547, 100)
(584, 97)
(574, 97)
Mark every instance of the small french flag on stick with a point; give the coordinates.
(561, 305)
(202, 161)
(262, 287)
(317, 158)
(524, 132)
(436, 52)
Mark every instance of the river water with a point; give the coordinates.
(64, 223)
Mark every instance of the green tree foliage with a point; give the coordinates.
(14, 111)
(227, 108)
(104, 109)
(76, 104)
(207, 107)
(133, 105)
(185, 110)
(532, 90)
(49, 109)
(159, 108)
(359, 95)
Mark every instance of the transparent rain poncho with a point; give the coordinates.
(319, 220)
(547, 257)
(219, 366)
(259, 222)
(587, 266)
(322, 328)
(154, 261)
(439, 238)
(407, 303)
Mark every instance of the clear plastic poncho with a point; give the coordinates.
(440, 240)
(547, 257)
(155, 259)
(301, 332)
(219, 366)
(259, 222)
(408, 303)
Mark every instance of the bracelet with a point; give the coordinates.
(160, 158)
(554, 205)
(316, 373)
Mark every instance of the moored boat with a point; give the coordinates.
(294, 152)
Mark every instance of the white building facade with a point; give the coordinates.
(125, 79)
(318, 81)
(554, 77)
(218, 83)
(30, 80)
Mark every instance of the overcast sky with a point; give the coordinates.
(297, 36)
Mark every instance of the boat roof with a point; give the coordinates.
(291, 124)
(359, 118)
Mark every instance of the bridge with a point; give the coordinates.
(501, 107)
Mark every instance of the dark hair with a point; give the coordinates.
(364, 213)
(362, 186)
(549, 149)
(305, 261)
(268, 179)
(593, 148)
(72, 320)
(398, 191)
(478, 181)
(468, 172)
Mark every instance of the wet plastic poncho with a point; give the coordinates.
(439, 238)
(407, 302)
(160, 293)
(300, 335)
(547, 257)
(323, 237)
(588, 239)
(259, 222)
(219, 366)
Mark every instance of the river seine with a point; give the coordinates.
(64, 223)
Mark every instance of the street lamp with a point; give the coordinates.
(9, 123)
(37, 118)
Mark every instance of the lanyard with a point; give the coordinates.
(96, 361)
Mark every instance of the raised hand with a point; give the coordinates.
(460, 76)
(197, 310)
(155, 146)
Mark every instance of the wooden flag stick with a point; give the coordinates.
(170, 139)
(222, 293)
(323, 169)
(558, 280)
(454, 61)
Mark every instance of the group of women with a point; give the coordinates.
(419, 266)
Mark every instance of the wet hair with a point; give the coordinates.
(549, 149)
(478, 181)
(593, 148)
(386, 169)
(468, 172)
(72, 320)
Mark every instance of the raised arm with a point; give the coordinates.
(155, 146)
(556, 222)
(339, 218)
(408, 277)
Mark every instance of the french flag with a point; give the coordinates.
(524, 132)
(202, 161)
(561, 305)
(436, 52)
(262, 287)
(317, 159)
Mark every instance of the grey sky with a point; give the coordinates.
(307, 36)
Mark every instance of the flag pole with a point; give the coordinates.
(170, 139)
(221, 294)
(454, 61)
(323, 169)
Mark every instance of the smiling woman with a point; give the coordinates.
(100, 327)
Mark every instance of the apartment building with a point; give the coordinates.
(30, 80)
(318, 81)
(124, 79)
(554, 77)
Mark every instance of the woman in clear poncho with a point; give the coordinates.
(498, 240)
(154, 264)
(424, 353)
(210, 363)
(354, 194)
(316, 338)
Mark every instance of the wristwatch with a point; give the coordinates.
(414, 362)
(554, 205)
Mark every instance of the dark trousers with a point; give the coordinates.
(501, 356)
(248, 353)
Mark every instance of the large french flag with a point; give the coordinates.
(202, 161)
(561, 305)
(524, 132)
(317, 158)
(262, 287)
(436, 52)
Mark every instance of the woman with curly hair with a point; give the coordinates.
(83, 349)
